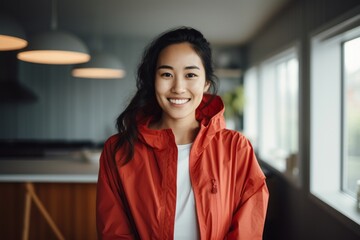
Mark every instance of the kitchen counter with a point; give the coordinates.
(49, 169)
(58, 178)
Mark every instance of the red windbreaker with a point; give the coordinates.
(138, 199)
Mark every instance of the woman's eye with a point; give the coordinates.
(167, 75)
(191, 75)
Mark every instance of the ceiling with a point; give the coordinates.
(221, 21)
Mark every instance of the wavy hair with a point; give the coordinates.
(144, 101)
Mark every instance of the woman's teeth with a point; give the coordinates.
(179, 101)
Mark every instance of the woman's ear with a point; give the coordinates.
(207, 86)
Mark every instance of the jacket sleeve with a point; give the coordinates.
(112, 221)
(249, 217)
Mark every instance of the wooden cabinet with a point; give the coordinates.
(71, 206)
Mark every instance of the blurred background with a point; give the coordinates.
(277, 78)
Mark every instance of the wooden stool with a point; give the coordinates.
(31, 195)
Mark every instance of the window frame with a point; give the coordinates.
(326, 162)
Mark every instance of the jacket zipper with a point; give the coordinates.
(214, 190)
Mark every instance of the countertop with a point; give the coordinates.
(71, 168)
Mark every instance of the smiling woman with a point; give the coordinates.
(200, 180)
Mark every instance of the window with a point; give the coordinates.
(278, 130)
(250, 129)
(351, 116)
(271, 111)
(335, 117)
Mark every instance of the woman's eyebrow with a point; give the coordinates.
(169, 67)
(192, 67)
(165, 66)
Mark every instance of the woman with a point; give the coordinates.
(173, 171)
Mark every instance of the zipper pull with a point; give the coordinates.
(214, 186)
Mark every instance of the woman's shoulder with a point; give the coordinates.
(112, 138)
(235, 137)
(111, 142)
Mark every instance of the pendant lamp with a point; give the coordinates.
(55, 47)
(12, 35)
(101, 66)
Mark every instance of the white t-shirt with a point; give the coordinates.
(186, 225)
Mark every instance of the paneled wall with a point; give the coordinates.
(295, 24)
(68, 107)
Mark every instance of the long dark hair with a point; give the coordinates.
(144, 101)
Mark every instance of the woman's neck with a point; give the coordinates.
(185, 135)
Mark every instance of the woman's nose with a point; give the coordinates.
(178, 85)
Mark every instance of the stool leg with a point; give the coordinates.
(44, 212)
(27, 217)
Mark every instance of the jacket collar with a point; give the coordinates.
(210, 116)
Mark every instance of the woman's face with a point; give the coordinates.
(179, 83)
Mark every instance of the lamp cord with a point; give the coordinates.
(53, 15)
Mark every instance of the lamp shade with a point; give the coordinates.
(55, 47)
(101, 65)
(12, 35)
